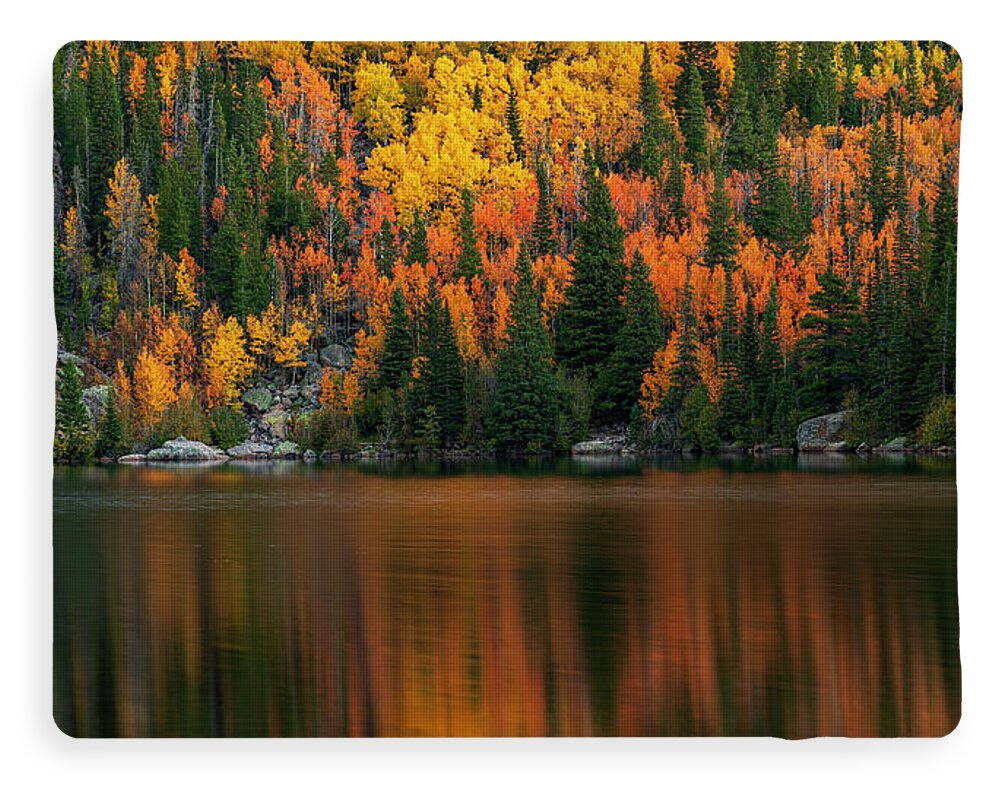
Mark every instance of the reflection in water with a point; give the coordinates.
(701, 598)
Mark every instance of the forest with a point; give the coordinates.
(505, 247)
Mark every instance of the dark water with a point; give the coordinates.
(791, 598)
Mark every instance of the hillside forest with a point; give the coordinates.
(505, 247)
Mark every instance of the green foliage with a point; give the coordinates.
(525, 410)
(444, 374)
(699, 421)
(938, 426)
(692, 117)
(654, 127)
(543, 240)
(470, 262)
(227, 426)
(111, 441)
(73, 441)
(416, 248)
(513, 119)
(637, 341)
(592, 313)
(185, 417)
(386, 248)
(575, 404)
(397, 359)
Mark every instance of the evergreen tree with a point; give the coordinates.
(730, 399)
(592, 313)
(637, 341)
(674, 191)
(386, 249)
(830, 353)
(177, 207)
(525, 409)
(683, 374)
(654, 126)
(105, 137)
(774, 215)
(73, 442)
(740, 145)
(543, 240)
(513, 118)
(878, 187)
(416, 248)
(692, 119)
(397, 359)
(722, 235)
(941, 286)
(445, 374)
(470, 262)
(110, 435)
(748, 376)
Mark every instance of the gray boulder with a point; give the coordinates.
(337, 354)
(94, 399)
(132, 458)
(277, 421)
(898, 445)
(309, 456)
(250, 450)
(824, 433)
(595, 447)
(183, 449)
(258, 398)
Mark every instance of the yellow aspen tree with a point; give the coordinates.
(184, 281)
(289, 347)
(153, 389)
(227, 364)
(263, 333)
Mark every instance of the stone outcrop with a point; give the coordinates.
(258, 399)
(337, 355)
(183, 449)
(825, 433)
(250, 450)
(287, 450)
(94, 398)
(598, 447)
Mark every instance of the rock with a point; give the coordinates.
(132, 458)
(730, 450)
(287, 450)
(250, 450)
(258, 398)
(337, 355)
(290, 393)
(595, 447)
(898, 445)
(183, 449)
(824, 433)
(94, 398)
(277, 422)
(309, 456)
(313, 374)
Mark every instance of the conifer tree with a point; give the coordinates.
(470, 262)
(722, 235)
(878, 187)
(73, 442)
(110, 435)
(592, 313)
(543, 240)
(654, 126)
(830, 352)
(105, 137)
(674, 190)
(684, 372)
(740, 143)
(637, 341)
(386, 249)
(774, 214)
(513, 118)
(692, 119)
(445, 375)
(397, 359)
(941, 286)
(416, 248)
(525, 414)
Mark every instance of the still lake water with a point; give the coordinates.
(792, 598)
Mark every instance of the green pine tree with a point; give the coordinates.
(445, 371)
(416, 248)
(692, 118)
(654, 125)
(470, 262)
(397, 359)
(592, 313)
(386, 248)
(525, 409)
(73, 441)
(637, 341)
(110, 435)
(543, 240)
(513, 118)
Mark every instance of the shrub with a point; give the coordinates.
(938, 425)
(227, 426)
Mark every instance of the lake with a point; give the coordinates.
(789, 597)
